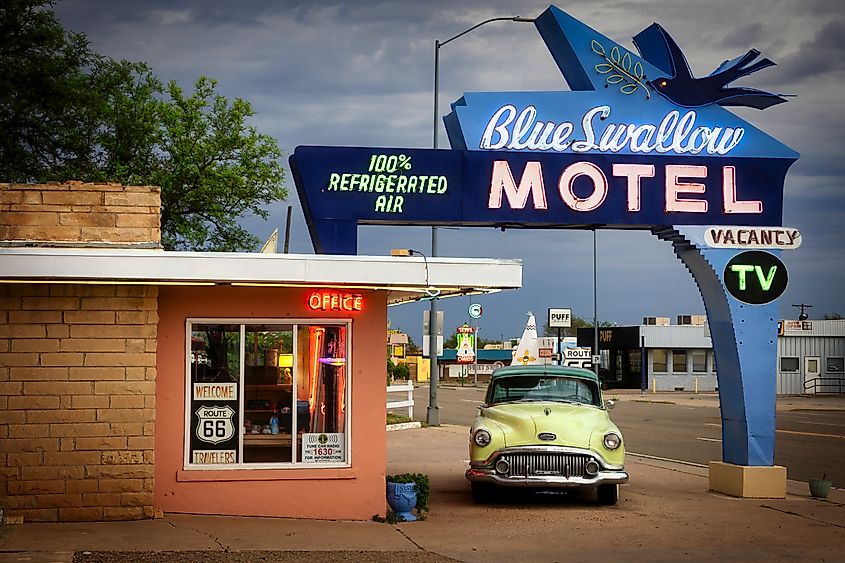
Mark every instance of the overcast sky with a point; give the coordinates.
(361, 73)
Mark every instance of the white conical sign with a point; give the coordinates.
(527, 351)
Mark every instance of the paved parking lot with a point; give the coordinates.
(665, 514)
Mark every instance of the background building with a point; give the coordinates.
(659, 356)
(811, 356)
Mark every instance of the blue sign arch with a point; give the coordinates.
(638, 142)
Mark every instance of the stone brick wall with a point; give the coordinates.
(77, 212)
(77, 362)
(77, 401)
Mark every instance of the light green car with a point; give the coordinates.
(545, 427)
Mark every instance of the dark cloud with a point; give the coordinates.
(823, 55)
(742, 37)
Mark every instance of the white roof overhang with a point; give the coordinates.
(406, 278)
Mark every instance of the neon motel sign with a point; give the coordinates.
(635, 143)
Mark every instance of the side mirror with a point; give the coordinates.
(609, 404)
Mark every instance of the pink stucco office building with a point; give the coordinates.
(135, 381)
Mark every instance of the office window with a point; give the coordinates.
(660, 360)
(267, 396)
(699, 361)
(679, 361)
(836, 365)
(788, 364)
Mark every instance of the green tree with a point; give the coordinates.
(106, 120)
(214, 168)
(44, 93)
(124, 125)
(413, 348)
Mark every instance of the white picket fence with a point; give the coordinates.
(409, 402)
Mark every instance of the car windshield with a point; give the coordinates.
(544, 388)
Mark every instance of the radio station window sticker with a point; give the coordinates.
(265, 396)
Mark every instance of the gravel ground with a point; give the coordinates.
(257, 556)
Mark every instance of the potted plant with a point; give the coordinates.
(407, 491)
(820, 488)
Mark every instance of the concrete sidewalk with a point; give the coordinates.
(665, 513)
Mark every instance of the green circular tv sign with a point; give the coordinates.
(755, 277)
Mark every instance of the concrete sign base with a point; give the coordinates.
(748, 481)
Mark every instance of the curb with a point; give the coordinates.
(403, 426)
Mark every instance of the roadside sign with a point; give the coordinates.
(466, 344)
(560, 318)
(475, 311)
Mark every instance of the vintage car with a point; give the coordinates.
(545, 427)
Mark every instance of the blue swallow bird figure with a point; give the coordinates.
(658, 48)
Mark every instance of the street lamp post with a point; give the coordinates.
(595, 305)
(433, 412)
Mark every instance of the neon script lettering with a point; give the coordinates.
(739, 237)
(676, 133)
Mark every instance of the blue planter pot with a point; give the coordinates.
(402, 498)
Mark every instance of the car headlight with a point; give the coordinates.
(481, 437)
(612, 440)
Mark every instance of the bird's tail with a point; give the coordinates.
(759, 65)
(736, 68)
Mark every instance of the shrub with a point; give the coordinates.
(393, 418)
(402, 371)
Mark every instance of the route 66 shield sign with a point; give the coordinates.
(215, 424)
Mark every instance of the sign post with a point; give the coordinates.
(475, 311)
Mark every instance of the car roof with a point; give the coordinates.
(516, 371)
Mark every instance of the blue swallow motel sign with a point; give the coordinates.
(638, 142)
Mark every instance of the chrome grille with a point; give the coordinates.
(539, 464)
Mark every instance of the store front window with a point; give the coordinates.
(699, 361)
(267, 395)
(679, 361)
(660, 360)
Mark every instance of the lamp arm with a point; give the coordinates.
(514, 18)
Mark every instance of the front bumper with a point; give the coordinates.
(546, 467)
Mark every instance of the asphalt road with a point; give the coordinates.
(809, 443)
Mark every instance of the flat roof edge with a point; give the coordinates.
(150, 266)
